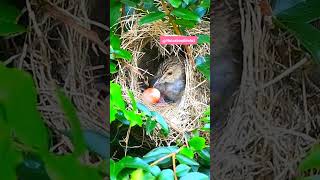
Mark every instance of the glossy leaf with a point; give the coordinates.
(205, 154)
(122, 54)
(144, 109)
(187, 152)
(312, 161)
(8, 13)
(113, 68)
(152, 17)
(205, 3)
(203, 65)
(155, 170)
(18, 98)
(185, 160)
(175, 3)
(158, 153)
(195, 175)
(116, 95)
(203, 39)
(185, 14)
(10, 29)
(97, 142)
(115, 41)
(71, 115)
(162, 122)
(166, 174)
(304, 11)
(197, 143)
(186, 23)
(150, 125)
(115, 14)
(200, 11)
(182, 170)
(129, 3)
(279, 6)
(134, 118)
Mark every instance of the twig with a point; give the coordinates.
(177, 31)
(174, 166)
(167, 156)
(284, 74)
(60, 15)
(127, 141)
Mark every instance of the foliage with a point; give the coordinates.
(24, 138)
(310, 163)
(166, 163)
(134, 113)
(9, 16)
(296, 16)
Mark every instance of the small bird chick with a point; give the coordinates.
(170, 79)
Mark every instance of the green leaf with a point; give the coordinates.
(309, 37)
(115, 7)
(116, 96)
(195, 175)
(304, 12)
(32, 167)
(18, 98)
(152, 17)
(206, 127)
(8, 13)
(113, 112)
(175, 3)
(122, 54)
(186, 23)
(144, 109)
(155, 170)
(113, 170)
(197, 143)
(162, 122)
(203, 39)
(315, 177)
(203, 65)
(166, 174)
(185, 160)
(113, 68)
(71, 115)
(182, 170)
(67, 167)
(205, 154)
(137, 174)
(9, 158)
(97, 142)
(115, 41)
(187, 1)
(185, 14)
(279, 6)
(150, 125)
(11, 29)
(205, 4)
(312, 161)
(129, 3)
(158, 153)
(200, 11)
(187, 152)
(134, 118)
(130, 162)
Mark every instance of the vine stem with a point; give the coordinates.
(177, 31)
(174, 166)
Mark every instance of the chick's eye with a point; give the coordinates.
(169, 73)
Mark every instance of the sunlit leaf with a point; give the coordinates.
(166, 174)
(195, 175)
(182, 170)
(152, 17)
(197, 143)
(185, 14)
(175, 3)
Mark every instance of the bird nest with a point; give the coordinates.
(181, 117)
(275, 118)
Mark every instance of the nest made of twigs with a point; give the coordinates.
(183, 117)
(269, 129)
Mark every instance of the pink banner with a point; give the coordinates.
(184, 40)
